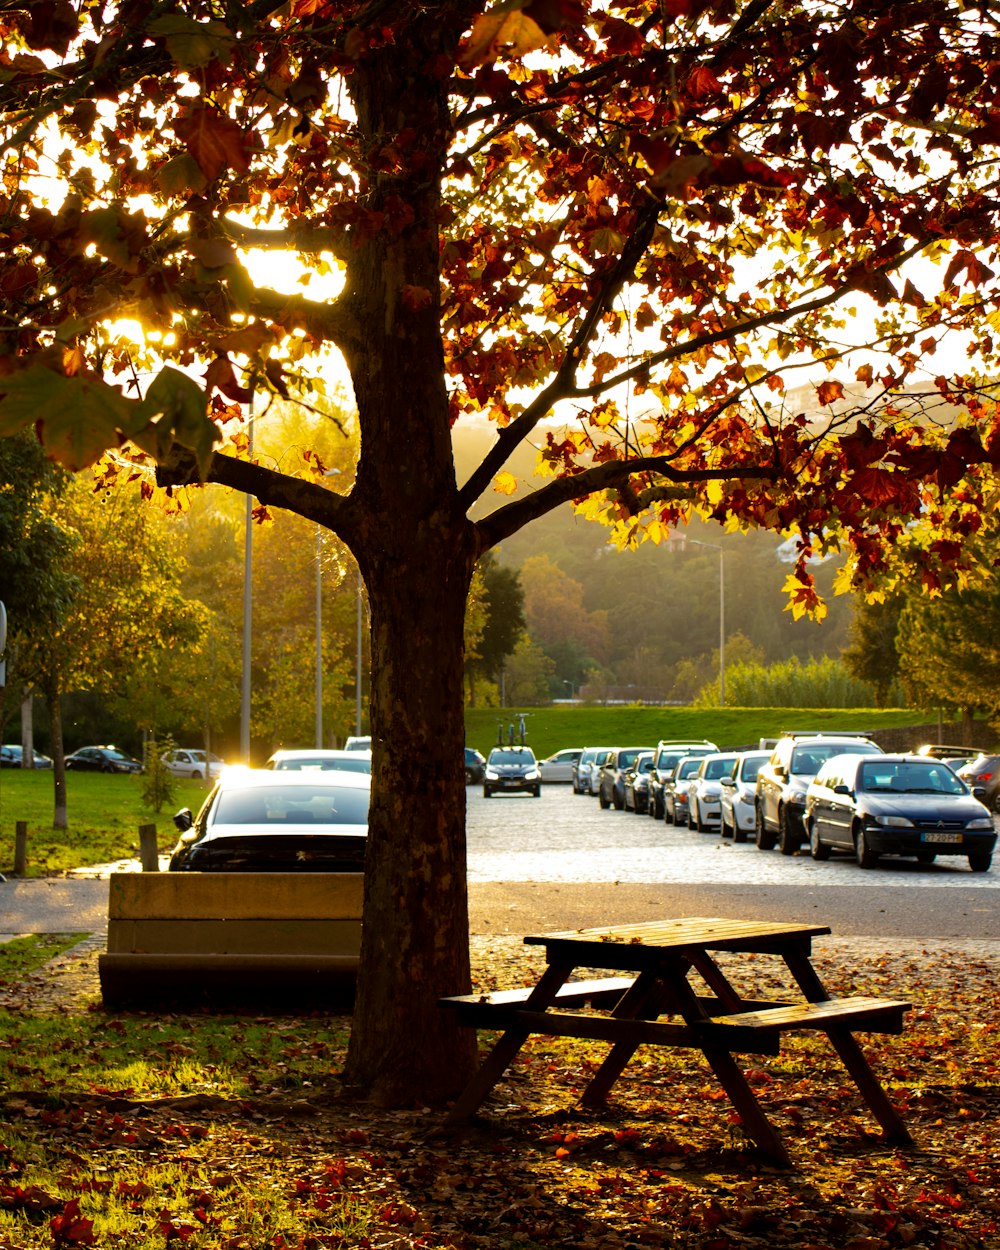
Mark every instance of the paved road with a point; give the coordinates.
(561, 862)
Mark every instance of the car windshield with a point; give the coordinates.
(806, 761)
(293, 805)
(714, 769)
(908, 778)
(115, 754)
(352, 763)
(751, 768)
(687, 768)
(512, 755)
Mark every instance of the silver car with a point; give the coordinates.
(736, 795)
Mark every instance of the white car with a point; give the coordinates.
(559, 767)
(321, 760)
(704, 790)
(183, 762)
(736, 796)
(587, 774)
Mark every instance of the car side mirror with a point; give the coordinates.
(183, 820)
(780, 770)
(841, 789)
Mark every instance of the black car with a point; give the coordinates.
(780, 794)
(12, 756)
(270, 820)
(102, 760)
(613, 767)
(475, 766)
(512, 770)
(915, 805)
(637, 783)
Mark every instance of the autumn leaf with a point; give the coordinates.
(70, 1228)
(702, 84)
(77, 418)
(828, 392)
(192, 44)
(216, 142)
(504, 29)
(505, 483)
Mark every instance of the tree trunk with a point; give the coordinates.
(415, 942)
(54, 703)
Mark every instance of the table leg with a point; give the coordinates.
(851, 1055)
(644, 1001)
(756, 1124)
(507, 1046)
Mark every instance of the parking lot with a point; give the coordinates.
(566, 837)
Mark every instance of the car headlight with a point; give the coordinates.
(980, 824)
(893, 822)
(796, 798)
(492, 774)
(532, 776)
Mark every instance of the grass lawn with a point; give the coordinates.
(104, 815)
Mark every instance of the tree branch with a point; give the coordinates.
(612, 474)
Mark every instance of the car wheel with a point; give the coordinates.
(196, 775)
(107, 768)
(817, 849)
(739, 835)
(655, 809)
(619, 804)
(788, 840)
(725, 828)
(863, 853)
(763, 836)
(979, 861)
(469, 779)
(602, 799)
(996, 802)
(537, 792)
(487, 792)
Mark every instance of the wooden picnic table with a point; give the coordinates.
(656, 1003)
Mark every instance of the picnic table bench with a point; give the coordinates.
(225, 939)
(657, 1005)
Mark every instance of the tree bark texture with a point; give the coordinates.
(416, 550)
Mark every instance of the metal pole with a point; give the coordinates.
(319, 640)
(722, 629)
(247, 608)
(357, 675)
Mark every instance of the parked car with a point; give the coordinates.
(780, 797)
(665, 759)
(512, 770)
(268, 820)
(475, 766)
(320, 759)
(184, 762)
(736, 795)
(984, 773)
(360, 743)
(586, 771)
(705, 791)
(102, 760)
(871, 806)
(950, 754)
(637, 783)
(559, 767)
(12, 756)
(675, 789)
(611, 785)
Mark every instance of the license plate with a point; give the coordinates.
(941, 837)
(512, 782)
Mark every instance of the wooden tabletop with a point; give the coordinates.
(636, 945)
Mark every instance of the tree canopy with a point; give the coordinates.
(705, 255)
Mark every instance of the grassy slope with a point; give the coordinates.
(553, 728)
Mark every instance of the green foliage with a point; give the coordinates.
(815, 683)
(158, 786)
(22, 955)
(552, 728)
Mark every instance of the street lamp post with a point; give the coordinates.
(319, 637)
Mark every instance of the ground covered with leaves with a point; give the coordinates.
(233, 1132)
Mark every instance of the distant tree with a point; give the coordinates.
(872, 655)
(558, 620)
(948, 655)
(126, 604)
(35, 585)
(503, 623)
(529, 671)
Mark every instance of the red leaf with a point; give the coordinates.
(702, 84)
(215, 142)
(70, 1228)
(827, 392)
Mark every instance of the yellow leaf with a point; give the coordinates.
(505, 484)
